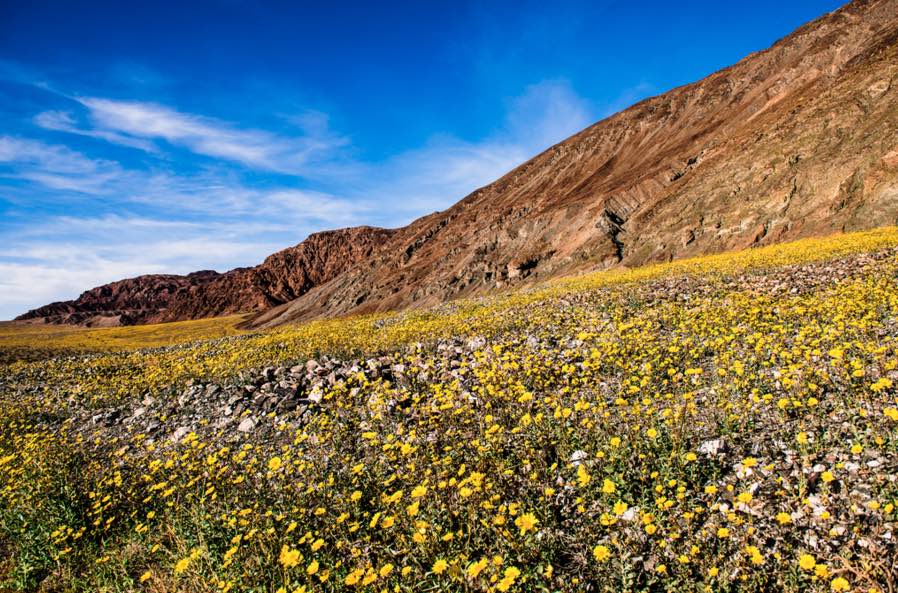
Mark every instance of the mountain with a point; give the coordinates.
(282, 277)
(796, 140)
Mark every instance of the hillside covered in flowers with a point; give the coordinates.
(726, 423)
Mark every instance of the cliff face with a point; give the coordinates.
(796, 140)
(282, 277)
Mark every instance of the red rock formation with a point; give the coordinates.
(282, 277)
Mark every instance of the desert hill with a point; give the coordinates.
(792, 141)
(281, 278)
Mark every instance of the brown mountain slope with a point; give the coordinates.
(795, 140)
(282, 277)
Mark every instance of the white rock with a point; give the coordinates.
(578, 456)
(246, 425)
(712, 447)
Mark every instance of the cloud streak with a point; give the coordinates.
(63, 121)
(133, 220)
(138, 124)
(55, 167)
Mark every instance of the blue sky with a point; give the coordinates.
(175, 136)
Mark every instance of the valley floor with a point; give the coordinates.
(727, 423)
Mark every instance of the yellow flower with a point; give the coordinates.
(181, 565)
(374, 520)
(839, 584)
(477, 567)
(419, 491)
(754, 555)
(802, 438)
(784, 518)
(651, 433)
(723, 532)
(827, 476)
(749, 462)
(146, 576)
(385, 570)
(316, 545)
(289, 557)
(608, 487)
(508, 577)
(744, 497)
(806, 562)
(387, 522)
(713, 571)
(620, 507)
(274, 463)
(439, 566)
(856, 448)
(526, 522)
(601, 553)
(354, 577)
(583, 476)
(312, 568)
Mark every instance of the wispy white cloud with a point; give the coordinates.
(547, 113)
(134, 122)
(54, 166)
(213, 217)
(447, 168)
(63, 121)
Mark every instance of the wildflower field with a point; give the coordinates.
(39, 341)
(727, 423)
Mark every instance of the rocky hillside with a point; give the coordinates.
(282, 277)
(792, 141)
(796, 140)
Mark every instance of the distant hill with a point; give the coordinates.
(281, 278)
